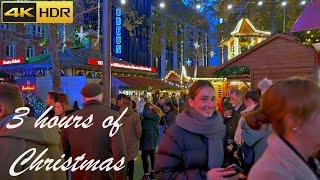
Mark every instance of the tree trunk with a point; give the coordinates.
(106, 48)
(55, 61)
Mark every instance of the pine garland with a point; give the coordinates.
(232, 71)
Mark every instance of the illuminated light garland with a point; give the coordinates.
(35, 103)
(64, 38)
(99, 25)
(235, 70)
(37, 58)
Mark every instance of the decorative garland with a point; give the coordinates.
(37, 58)
(132, 21)
(232, 71)
(309, 37)
(43, 41)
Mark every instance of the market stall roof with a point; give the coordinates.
(246, 28)
(256, 47)
(309, 18)
(145, 83)
(77, 58)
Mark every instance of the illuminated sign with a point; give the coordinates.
(11, 61)
(93, 61)
(118, 31)
(28, 88)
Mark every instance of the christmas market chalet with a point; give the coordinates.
(243, 37)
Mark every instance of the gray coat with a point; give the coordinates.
(280, 162)
(258, 138)
(131, 132)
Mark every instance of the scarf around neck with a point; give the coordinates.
(212, 128)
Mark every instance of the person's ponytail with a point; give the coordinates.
(256, 119)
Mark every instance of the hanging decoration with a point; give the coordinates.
(81, 34)
(64, 38)
(36, 58)
(232, 71)
(43, 41)
(132, 21)
(99, 26)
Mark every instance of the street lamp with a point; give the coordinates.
(162, 5)
(230, 6)
(123, 2)
(303, 3)
(260, 3)
(198, 6)
(283, 4)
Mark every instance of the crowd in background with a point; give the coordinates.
(271, 132)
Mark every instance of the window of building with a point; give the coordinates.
(6, 26)
(10, 50)
(30, 51)
(44, 51)
(38, 30)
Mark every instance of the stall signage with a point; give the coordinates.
(11, 61)
(93, 61)
(27, 88)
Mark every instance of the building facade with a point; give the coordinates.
(192, 47)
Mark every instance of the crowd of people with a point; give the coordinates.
(271, 132)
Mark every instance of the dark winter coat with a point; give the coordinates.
(150, 130)
(95, 142)
(182, 155)
(169, 118)
(232, 122)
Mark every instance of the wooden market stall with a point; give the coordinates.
(278, 57)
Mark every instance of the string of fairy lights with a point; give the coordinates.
(99, 24)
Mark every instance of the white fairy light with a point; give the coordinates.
(64, 37)
(99, 25)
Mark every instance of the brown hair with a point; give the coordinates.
(253, 95)
(54, 96)
(63, 100)
(298, 97)
(197, 86)
(10, 96)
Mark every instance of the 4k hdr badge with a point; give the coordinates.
(37, 12)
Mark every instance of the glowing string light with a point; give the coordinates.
(64, 38)
(99, 25)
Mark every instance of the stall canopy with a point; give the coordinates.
(309, 18)
(142, 83)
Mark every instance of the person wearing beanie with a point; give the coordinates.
(264, 84)
(95, 141)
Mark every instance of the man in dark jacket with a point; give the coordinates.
(51, 100)
(232, 117)
(94, 141)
